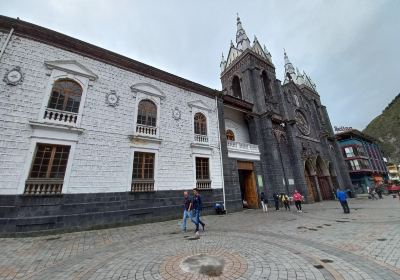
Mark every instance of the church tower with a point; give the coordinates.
(275, 137)
(253, 112)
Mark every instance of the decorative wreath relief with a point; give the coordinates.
(112, 99)
(14, 76)
(176, 114)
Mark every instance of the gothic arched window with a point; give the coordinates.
(230, 135)
(237, 91)
(266, 83)
(147, 113)
(65, 96)
(200, 124)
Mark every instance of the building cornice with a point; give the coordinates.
(62, 41)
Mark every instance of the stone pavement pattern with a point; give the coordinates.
(320, 243)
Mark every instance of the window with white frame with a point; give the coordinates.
(200, 128)
(46, 176)
(203, 173)
(146, 118)
(66, 92)
(349, 152)
(143, 172)
(64, 101)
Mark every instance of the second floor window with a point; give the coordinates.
(200, 124)
(65, 96)
(230, 135)
(349, 152)
(147, 113)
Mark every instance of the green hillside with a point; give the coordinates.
(386, 128)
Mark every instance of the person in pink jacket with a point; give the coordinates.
(297, 197)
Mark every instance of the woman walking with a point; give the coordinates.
(297, 197)
(285, 200)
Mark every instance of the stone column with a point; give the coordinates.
(315, 178)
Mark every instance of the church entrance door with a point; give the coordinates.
(247, 181)
(309, 175)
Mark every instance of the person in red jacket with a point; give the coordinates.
(297, 197)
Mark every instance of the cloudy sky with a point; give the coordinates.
(350, 48)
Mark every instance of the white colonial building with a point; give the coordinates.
(77, 119)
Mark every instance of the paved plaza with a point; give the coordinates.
(320, 243)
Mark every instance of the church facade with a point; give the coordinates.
(90, 138)
(285, 122)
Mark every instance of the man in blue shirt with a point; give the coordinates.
(341, 195)
(197, 205)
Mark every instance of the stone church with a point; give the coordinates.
(90, 138)
(278, 135)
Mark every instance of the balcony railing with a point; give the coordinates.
(201, 138)
(142, 185)
(243, 146)
(59, 116)
(203, 184)
(146, 130)
(43, 186)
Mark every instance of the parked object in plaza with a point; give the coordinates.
(341, 195)
(393, 188)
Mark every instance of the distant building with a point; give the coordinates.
(364, 159)
(393, 172)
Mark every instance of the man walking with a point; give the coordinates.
(341, 195)
(276, 201)
(197, 205)
(264, 202)
(187, 203)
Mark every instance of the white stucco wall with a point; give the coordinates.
(234, 120)
(103, 153)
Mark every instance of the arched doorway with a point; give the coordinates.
(323, 179)
(309, 174)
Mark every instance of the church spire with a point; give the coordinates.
(223, 63)
(290, 74)
(242, 40)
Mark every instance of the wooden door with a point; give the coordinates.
(324, 188)
(251, 190)
(312, 195)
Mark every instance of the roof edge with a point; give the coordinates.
(65, 42)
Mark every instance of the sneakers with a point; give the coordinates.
(197, 235)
